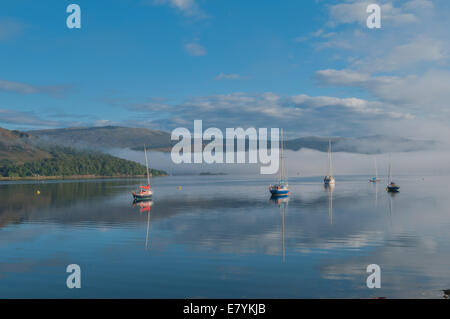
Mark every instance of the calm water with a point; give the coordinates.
(221, 236)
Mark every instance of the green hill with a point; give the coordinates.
(21, 157)
(68, 162)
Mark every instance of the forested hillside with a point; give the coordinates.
(68, 162)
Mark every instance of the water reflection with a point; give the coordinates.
(375, 185)
(282, 203)
(144, 207)
(391, 196)
(220, 237)
(330, 188)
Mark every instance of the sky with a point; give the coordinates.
(311, 67)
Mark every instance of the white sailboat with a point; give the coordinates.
(329, 179)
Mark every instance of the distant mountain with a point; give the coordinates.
(362, 145)
(312, 142)
(106, 137)
(19, 147)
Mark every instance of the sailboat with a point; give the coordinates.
(144, 192)
(282, 187)
(375, 178)
(391, 186)
(329, 179)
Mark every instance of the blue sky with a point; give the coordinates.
(312, 67)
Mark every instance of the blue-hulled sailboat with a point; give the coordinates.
(280, 189)
(391, 186)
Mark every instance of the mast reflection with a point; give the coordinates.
(330, 188)
(144, 207)
(391, 198)
(282, 203)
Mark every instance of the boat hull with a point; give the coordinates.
(328, 180)
(394, 189)
(139, 197)
(279, 192)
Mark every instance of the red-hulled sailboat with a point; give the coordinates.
(144, 192)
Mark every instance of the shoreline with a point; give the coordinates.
(72, 177)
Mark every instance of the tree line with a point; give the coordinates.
(70, 162)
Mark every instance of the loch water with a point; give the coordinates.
(223, 237)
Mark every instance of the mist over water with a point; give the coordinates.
(307, 162)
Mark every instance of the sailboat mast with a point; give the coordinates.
(329, 158)
(376, 169)
(282, 157)
(389, 173)
(146, 164)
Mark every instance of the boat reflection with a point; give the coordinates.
(283, 205)
(330, 188)
(391, 197)
(376, 194)
(144, 207)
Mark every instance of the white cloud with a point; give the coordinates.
(231, 76)
(317, 34)
(24, 119)
(24, 88)
(354, 104)
(355, 12)
(421, 49)
(10, 28)
(195, 49)
(342, 77)
(416, 5)
(427, 94)
(300, 114)
(187, 7)
(101, 123)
